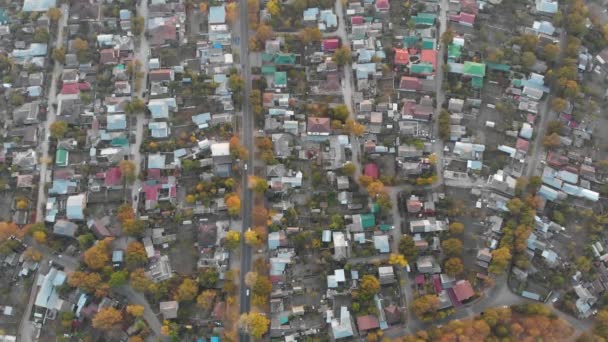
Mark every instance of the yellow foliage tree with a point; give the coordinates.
(186, 291)
(254, 323)
(39, 236)
(397, 259)
(233, 239)
(97, 256)
(107, 318)
(135, 310)
(253, 238)
(205, 299)
(233, 202)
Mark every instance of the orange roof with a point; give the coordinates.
(429, 56)
(402, 57)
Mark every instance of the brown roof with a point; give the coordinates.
(219, 310)
(410, 83)
(319, 125)
(463, 290)
(393, 314)
(160, 75)
(367, 322)
(107, 56)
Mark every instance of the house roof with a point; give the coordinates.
(217, 14)
(421, 69)
(371, 170)
(402, 57)
(61, 157)
(113, 177)
(463, 290)
(410, 83)
(116, 122)
(367, 322)
(382, 4)
(65, 228)
(38, 5)
(331, 44)
(429, 56)
(319, 125)
(425, 19)
(474, 69)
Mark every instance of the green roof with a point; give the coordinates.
(375, 207)
(385, 227)
(498, 67)
(474, 69)
(454, 51)
(410, 41)
(61, 157)
(280, 78)
(421, 68)
(285, 59)
(424, 19)
(368, 220)
(268, 69)
(428, 44)
(477, 82)
(120, 141)
(516, 82)
(284, 320)
(4, 18)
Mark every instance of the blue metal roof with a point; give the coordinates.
(217, 14)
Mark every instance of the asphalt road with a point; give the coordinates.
(247, 140)
(50, 116)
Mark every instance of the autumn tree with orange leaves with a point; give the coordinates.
(98, 255)
(233, 202)
(236, 149)
(107, 319)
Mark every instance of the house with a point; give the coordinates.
(585, 301)
(382, 6)
(47, 298)
(38, 5)
(410, 84)
(65, 228)
(160, 108)
(367, 322)
(427, 226)
(463, 290)
(392, 314)
(371, 170)
(386, 275)
(330, 44)
(169, 309)
(109, 56)
(484, 255)
(402, 57)
(341, 327)
(161, 75)
(75, 207)
(318, 126)
(26, 114)
(118, 257)
(546, 7)
(413, 205)
(381, 243)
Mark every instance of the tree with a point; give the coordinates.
(601, 323)
(84, 280)
(127, 169)
(133, 227)
(39, 236)
(551, 52)
(444, 124)
(233, 240)
(264, 33)
(310, 34)
(375, 188)
(236, 149)
(205, 299)
(369, 285)
(254, 323)
(500, 260)
(136, 105)
(58, 54)
(452, 247)
(236, 83)
(273, 7)
(447, 37)
(583, 263)
(137, 25)
(139, 281)
(136, 254)
(135, 310)
(425, 305)
(22, 204)
(456, 228)
(107, 318)
(54, 14)
(80, 44)
(125, 212)
(552, 140)
(32, 254)
(554, 126)
(59, 129)
(41, 35)
(453, 266)
(342, 56)
(208, 277)
(233, 203)
(349, 169)
(353, 127)
(528, 59)
(232, 12)
(253, 238)
(397, 259)
(257, 184)
(186, 291)
(407, 247)
(118, 278)
(97, 256)
(340, 112)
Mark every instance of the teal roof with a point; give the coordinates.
(368, 220)
(4, 19)
(284, 320)
(454, 51)
(428, 44)
(426, 19)
(120, 141)
(498, 67)
(410, 41)
(61, 157)
(516, 82)
(375, 207)
(269, 69)
(267, 57)
(422, 68)
(386, 227)
(477, 82)
(285, 59)
(280, 78)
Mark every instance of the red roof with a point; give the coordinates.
(410, 83)
(522, 144)
(437, 283)
(154, 174)
(113, 177)
(356, 20)
(367, 322)
(70, 89)
(419, 279)
(413, 206)
(402, 57)
(466, 18)
(429, 56)
(463, 290)
(382, 4)
(319, 125)
(371, 170)
(331, 44)
(556, 160)
(151, 192)
(468, 6)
